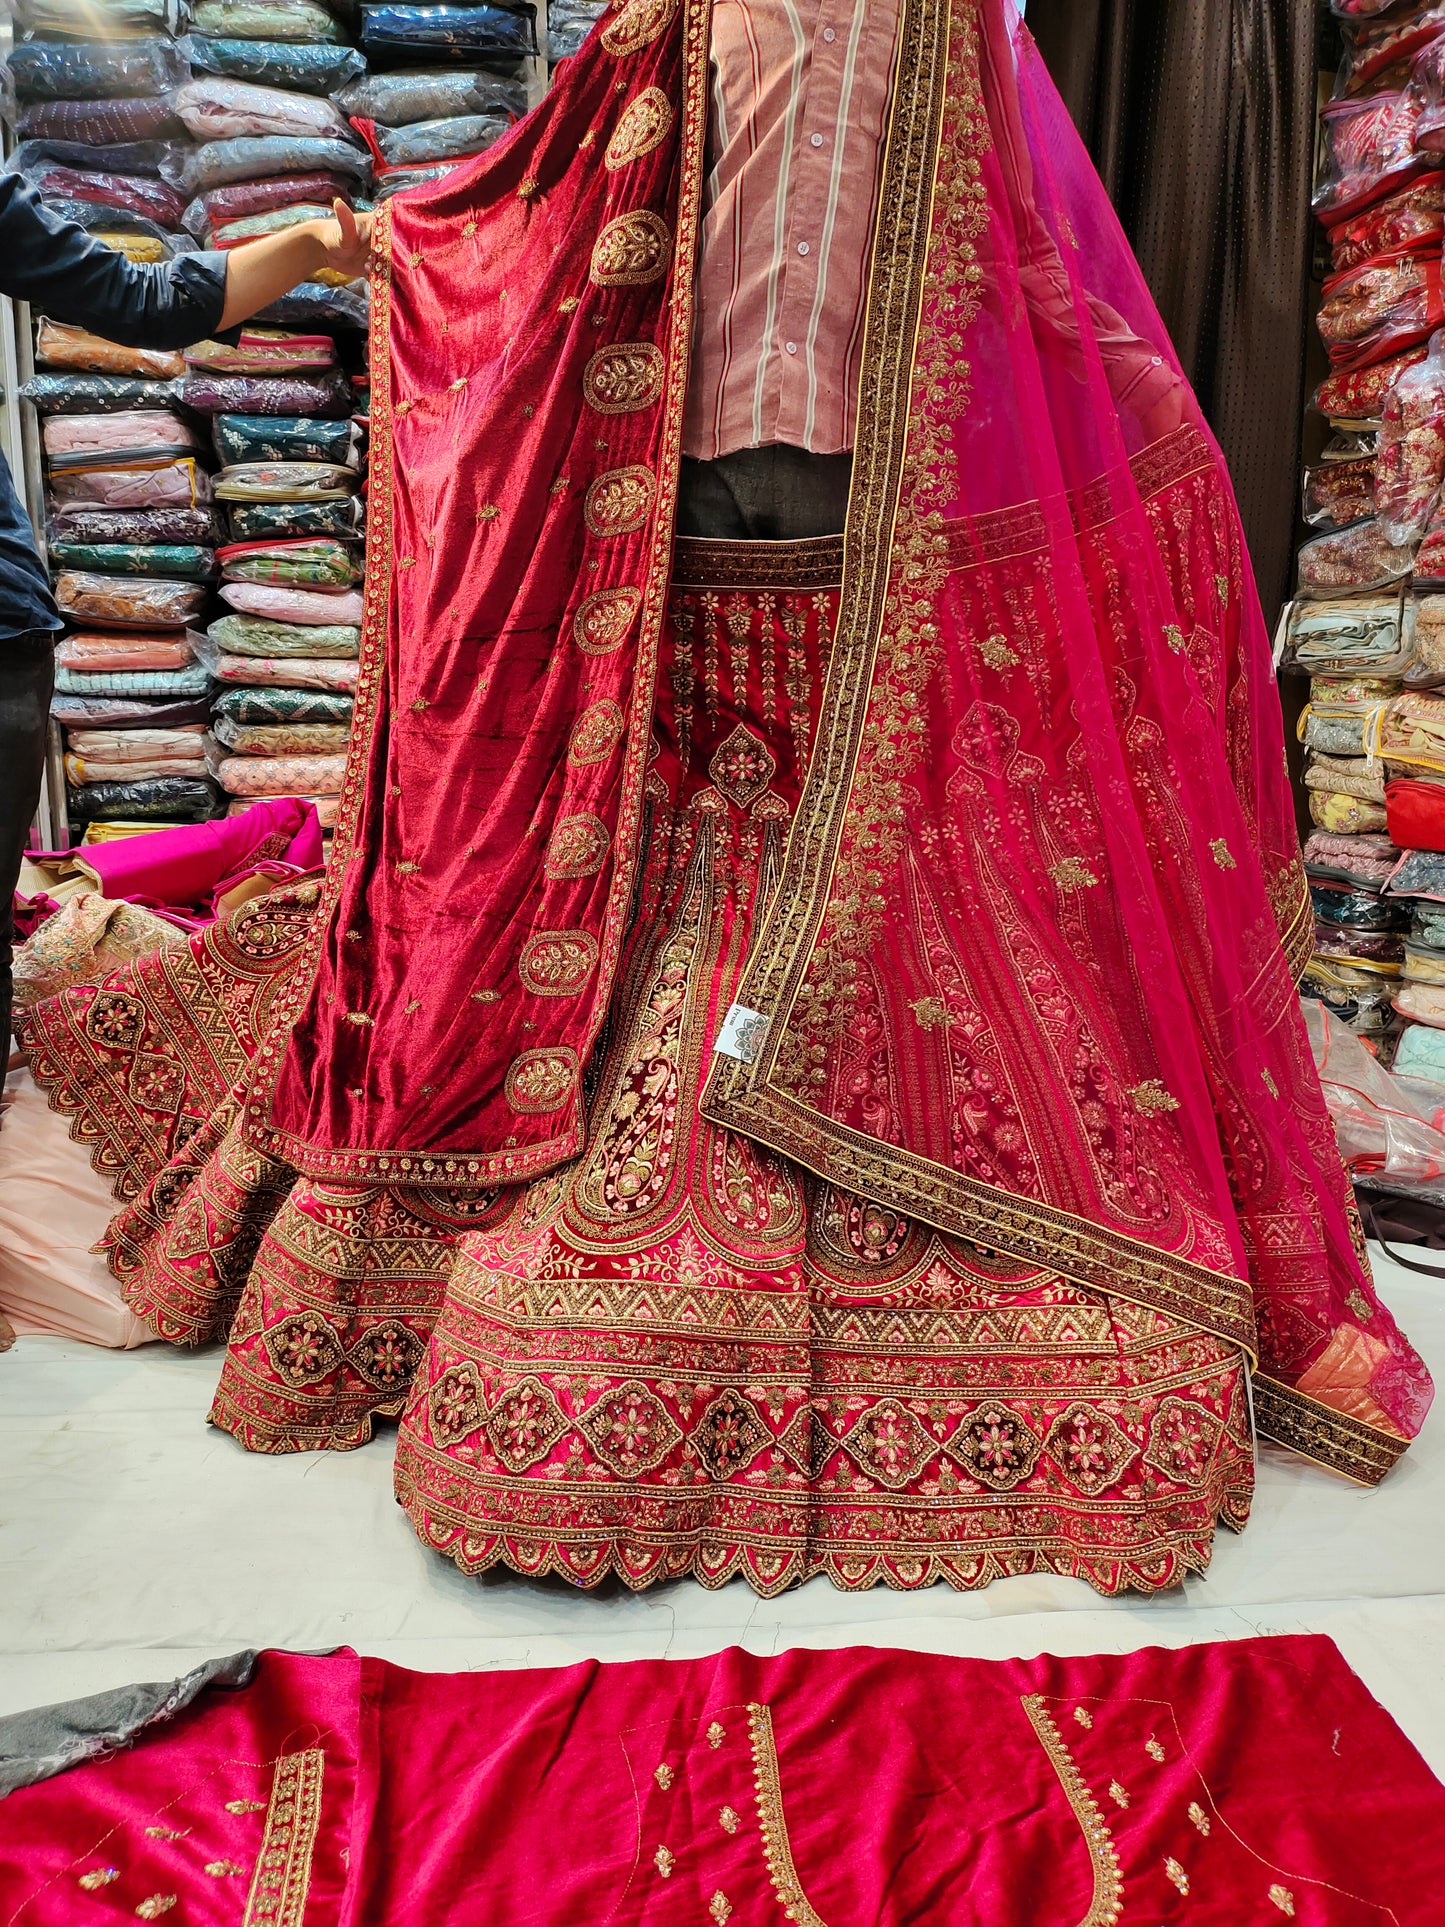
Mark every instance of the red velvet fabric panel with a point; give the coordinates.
(1221, 1786)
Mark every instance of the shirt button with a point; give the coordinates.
(829, 35)
(803, 248)
(791, 346)
(815, 140)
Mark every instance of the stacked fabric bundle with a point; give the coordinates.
(1369, 629)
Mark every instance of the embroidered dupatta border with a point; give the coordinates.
(478, 1169)
(932, 35)
(1358, 1452)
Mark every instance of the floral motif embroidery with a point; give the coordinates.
(664, 1776)
(1283, 1899)
(222, 1869)
(116, 1020)
(664, 1860)
(729, 1819)
(889, 1442)
(388, 1355)
(1219, 850)
(303, 1348)
(996, 653)
(729, 1435)
(1091, 1447)
(154, 1905)
(638, 25)
(742, 766)
(577, 847)
(1155, 1750)
(455, 1405)
(1084, 1717)
(541, 1081)
(603, 620)
(1200, 1818)
(633, 251)
(1183, 1440)
(1174, 636)
(1071, 874)
(524, 1425)
(625, 376)
(596, 734)
(557, 963)
(996, 1447)
(1177, 1874)
(644, 124)
(1151, 1099)
(1118, 1794)
(716, 1734)
(631, 1430)
(620, 501)
(99, 1877)
(931, 1013)
(719, 1907)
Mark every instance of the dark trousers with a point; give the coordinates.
(27, 676)
(775, 494)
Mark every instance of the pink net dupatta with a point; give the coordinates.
(1030, 972)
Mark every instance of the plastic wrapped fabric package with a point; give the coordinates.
(327, 808)
(449, 32)
(307, 608)
(1361, 945)
(127, 602)
(178, 799)
(267, 20)
(254, 157)
(135, 247)
(260, 521)
(109, 654)
(1347, 776)
(264, 708)
(1421, 1053)
(77, 18)
(264, 351)
(1345, 815)
(80, 770)
(568, 24)
(302, 564)
(281, 775)
(1355, 635)
(96, 394)
(241, 439)
(1356, 909)
(98, 121)
(158, 429)
(1364, 861)
(251, 227)
(1411, 462)
(1369, 149)
(1425, 1003)
(1357, 558)
(169, 527)
(396, 180)
(1419, 873)
(136, 685)
(177, 484)
(287, 672)
(143, 158)
(283, 482)
(327, 394)
(312, 304)
(132, 193)
(1430, 559)
(1380, 308)
(118, 713)
(304, 67)
(1412, 732)
(1373, 45)
(1427, 923)
(1338, 493)
(185, 560)
(1411, 218)
(439, 140)
(398, 99)
(59, 345)
(95, 69)
(1430, 633)
(282, 739)
(217, 108)
(240, 198)
(1358, 395)
(263, 636)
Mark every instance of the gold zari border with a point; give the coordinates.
(1108, 1900)
(282, 1880)
(699, 562)
(1346, 1445)
(777, 1848)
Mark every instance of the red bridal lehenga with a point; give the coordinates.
(795, 1066)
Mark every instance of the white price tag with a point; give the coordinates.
(743, 1033)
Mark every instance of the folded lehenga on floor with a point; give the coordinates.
(796, 1064)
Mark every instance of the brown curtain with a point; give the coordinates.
(1200, 116)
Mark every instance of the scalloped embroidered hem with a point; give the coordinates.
(712, 1563)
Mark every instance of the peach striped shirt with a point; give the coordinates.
(800, 92)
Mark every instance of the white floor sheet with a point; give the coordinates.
(134, 1541)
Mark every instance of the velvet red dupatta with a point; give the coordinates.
(1029, 975)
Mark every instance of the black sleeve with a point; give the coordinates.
(71, 276)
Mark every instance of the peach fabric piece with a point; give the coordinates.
(53, 1207)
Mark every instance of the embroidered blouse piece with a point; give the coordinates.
(827, 1789)
(798, 113)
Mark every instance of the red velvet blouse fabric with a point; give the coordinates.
(1240, 1785)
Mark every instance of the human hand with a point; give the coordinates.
(346, 240)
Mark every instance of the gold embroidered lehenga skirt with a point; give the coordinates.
(679, 1354)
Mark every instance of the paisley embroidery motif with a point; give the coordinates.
(638, 25)
(633, 251)
(540, 1081)
(645, 124)
(627, 375)
(557, 963)
(579, 843)
(597, 733)
(603, 620)
(620, 501)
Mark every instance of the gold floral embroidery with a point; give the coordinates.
(1220, 851)
(282, 1878)
(626, 376)
(620, 501)
(1315, 1431)
(558, 963)
(633, 251)
(1108, 1899)
(931, 1013)
(777, 1848)
(99, 1877)
(664, 1776)
(644, 124)
(577, 847)
(154, 1905)
(166, 1833)
(1071, 874)
(245, 1806)
(729, 1819)
(720, 1907)
(222, 1869)
(638, 25)
(1177, 1874)
(996, 653)
(1174, 636)
(1283, 1899)
(1084, 1717)
(664, 1860)
(603, 620)
(595, 735)
(716, 1734)
(1119, 1795)
(541, 1081)
(742, 766)
(1151, 1099)
(1154, 1750)
(1200, 1818)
